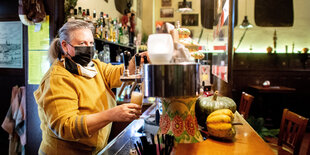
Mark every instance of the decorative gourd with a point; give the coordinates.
(219, 124)
(206, 105)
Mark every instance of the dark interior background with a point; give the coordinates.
(8, 77)
(12, 77)
(288, 70)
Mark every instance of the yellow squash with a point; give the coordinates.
(219, 124)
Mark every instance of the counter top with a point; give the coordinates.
(247, 141)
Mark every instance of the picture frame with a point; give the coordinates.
(165, 2)
(166, 12)
(189, 19)
(180, 4)
(11, 44)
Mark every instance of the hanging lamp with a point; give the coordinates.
(245, 23)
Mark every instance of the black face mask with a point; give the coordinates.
(71, 66)
(83, 55)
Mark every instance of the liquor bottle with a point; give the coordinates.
(75, 13)
(79, 14)
(102, 26)
(118, 57)
(120, 34)
(106, 49)
(114, 29)
(83, 14)
(87, 17)
(94, 17)
(101, 56)
(107, 28)
(71, 15)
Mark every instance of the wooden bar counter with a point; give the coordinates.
(246, 142)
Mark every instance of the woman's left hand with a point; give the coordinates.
(132, 63)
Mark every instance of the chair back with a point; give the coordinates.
(292, 130)
(245, 104)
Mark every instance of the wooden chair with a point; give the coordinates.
(292, 130)
(245, 104)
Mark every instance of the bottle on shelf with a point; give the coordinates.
(79, 14)
(115, 31)
(75, 13)
(120, 34)
(101, 56)
(87, 17)
(106, 49)
(83, 14)
(71, 15)
(94, 18)
(118, 57)
(107, 28)
(102, 26)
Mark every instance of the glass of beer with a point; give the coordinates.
(136, 97)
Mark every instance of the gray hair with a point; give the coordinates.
(64, 33)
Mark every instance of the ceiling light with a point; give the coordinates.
(245, 23)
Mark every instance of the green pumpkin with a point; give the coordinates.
(206, 105)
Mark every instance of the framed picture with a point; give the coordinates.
(11, 44)
(165, 2)
(180, 4)
(166, 13)
(189, 19)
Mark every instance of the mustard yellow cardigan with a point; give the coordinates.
(63, 101)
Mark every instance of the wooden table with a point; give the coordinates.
(269, 103)
(247, 142)
(272, 89)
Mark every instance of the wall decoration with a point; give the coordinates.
(165, 2)
(11, 47)
(180, 4)
(189, 19)
(166, 13)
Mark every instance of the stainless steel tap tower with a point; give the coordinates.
(171, 80)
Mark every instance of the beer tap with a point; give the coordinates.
(128, 79)
(126, 58)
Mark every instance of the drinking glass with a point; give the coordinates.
(137, 98)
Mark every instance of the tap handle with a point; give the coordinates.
(138, 60)
(126, 58)
(145, 59)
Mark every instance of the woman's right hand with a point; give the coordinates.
(125, 112)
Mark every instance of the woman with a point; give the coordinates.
(75, 102)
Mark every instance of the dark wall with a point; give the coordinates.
(290, 70)
(12, 77)
(8, 77)
(55, 9)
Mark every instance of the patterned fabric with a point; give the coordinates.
(63, 101)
